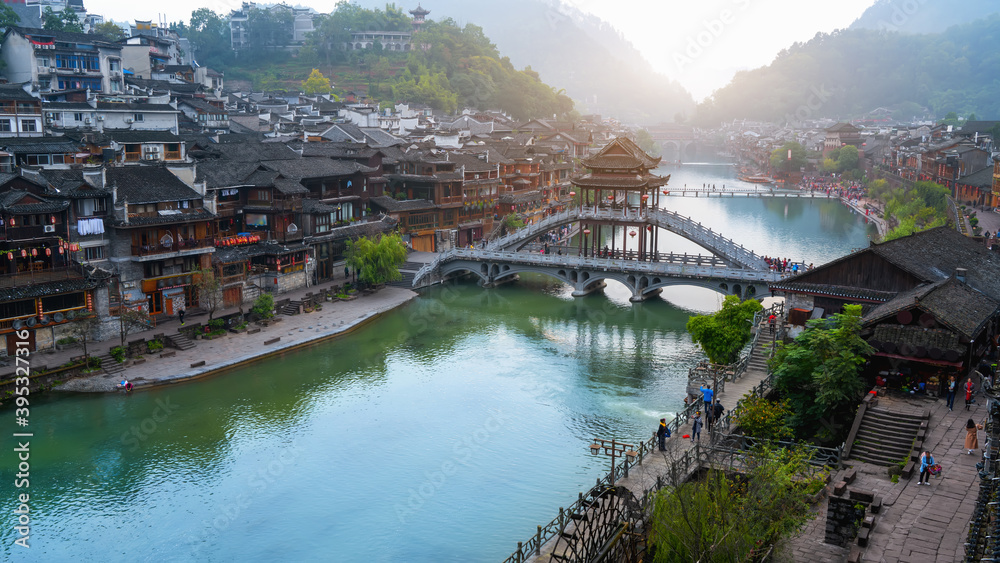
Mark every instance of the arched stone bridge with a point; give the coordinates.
(588, 274)
(733, 254)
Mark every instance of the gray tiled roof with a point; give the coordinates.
(393, 205)
(315, 167)
(148, 184)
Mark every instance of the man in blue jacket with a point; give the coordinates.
(706, 394)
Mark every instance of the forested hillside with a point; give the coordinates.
(923, 16)
(851, 72)
(596, 65)
(459, 67)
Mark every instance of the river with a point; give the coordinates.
(445, 431)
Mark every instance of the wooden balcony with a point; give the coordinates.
(186, 244)
(38, 274)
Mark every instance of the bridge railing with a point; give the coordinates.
(663, 218)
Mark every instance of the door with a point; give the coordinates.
(168, 306)
(12, 341)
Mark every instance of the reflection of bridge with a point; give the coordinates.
(733, 254)
(588, 274)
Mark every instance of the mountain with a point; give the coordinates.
(923, 16)
(571, 50)
(851, 72)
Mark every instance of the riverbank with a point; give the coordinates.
(210, 357)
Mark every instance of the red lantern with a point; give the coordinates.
(11, 221)
(665, 192)
(53, 219)
(632, 233)
(24, 253)
(10, 255)
(60, 250)
(586, 231)
(611, 197)
(572, 194)
(34, 252)
(74, 247)
(645, 196)
(48, 252)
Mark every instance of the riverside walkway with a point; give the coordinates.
(658, 468)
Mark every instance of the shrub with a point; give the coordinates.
(263, 307)
(118, 353)
(66, 341)
(216, 324)
(765, 419)
(154, 345)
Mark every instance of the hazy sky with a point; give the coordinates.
(701, 44)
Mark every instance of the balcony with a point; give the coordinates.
(181, 248)
(36, 232)
(37, 273)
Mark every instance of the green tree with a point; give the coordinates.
(764, 419)
(210, 37)
(109, 31)
(818, 373)
(719, 519)
(376, 261)
(8, 17)
(66, 20)
(781, 161)
(511, 222)
(723, 335)
(263, 306)
(847, 158)
(316, 83)
(646, 142)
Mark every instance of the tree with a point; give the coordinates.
(719, 518)
(65, 20)
(511, 222)
(377, 261)
(781, 161)
(723, 335)
(818, 374)
(132, 319)
(847, 158)
(209, 291)
(8, 17)
(109, 31)
(83, 327)
(646, 142)
(316, 83)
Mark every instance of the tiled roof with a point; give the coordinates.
(46, 289)
(199, 215)
(148, 184)
(40, 145)
(393, 205)
(290, 187)
(16, 93)
(65, 36)
(949, 301)
(315, 167)
(621, 152)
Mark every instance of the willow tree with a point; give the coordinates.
(723, 335)
(377, 260)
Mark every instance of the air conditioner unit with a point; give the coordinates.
(129, 120)
(100, 118)
(87, 121)
(52, 69)
(49, 115)
(78, 70)
(48, 120)
(50, 228)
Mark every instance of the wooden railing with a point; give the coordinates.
(178, 246)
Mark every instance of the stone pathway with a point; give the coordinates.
(918, 523)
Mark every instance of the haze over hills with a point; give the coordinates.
(574, 51)
(851, 72)
(923, 16)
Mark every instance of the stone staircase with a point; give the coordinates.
(887, 437)
(291, 308)
(409, 271)
(110, 365)
(179, 341)
(758, 360)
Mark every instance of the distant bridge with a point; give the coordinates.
(728, 192)
(735, 255)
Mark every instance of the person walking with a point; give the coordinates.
(696, 425)
(969, 389)
(717, 411)
(180, 315)
(662, 433)
(706, 395)
(926, 461)
(772, 319)
(952, 388)
(971, 436)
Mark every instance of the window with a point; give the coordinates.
(93, 253)
(43, 61)
(26, 107)
(262, 195)
(77, 117)
(114, 65)
(137, 117)
(89, 206)
(152, 269)
(4, 125)
(186, 204)
(28, 125)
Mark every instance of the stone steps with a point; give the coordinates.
(179, 341)
(887, 437)
(110, 365)
(292, 308)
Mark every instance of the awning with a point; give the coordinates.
(920, 360)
